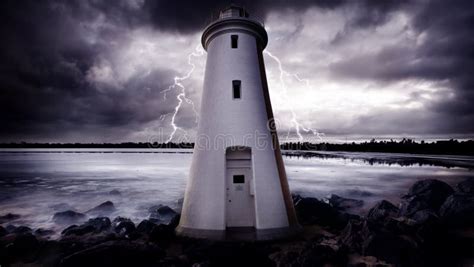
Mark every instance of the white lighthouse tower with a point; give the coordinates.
(237, 187)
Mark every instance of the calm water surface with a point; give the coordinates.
(36, 183)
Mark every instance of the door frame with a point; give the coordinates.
(243, 153)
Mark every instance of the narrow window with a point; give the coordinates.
(234, 40)
(236, 89)
(239, 179)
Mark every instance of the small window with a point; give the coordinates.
(234, 40)
(239, 179)
(236, 89)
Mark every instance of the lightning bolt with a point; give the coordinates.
(299, 127)
(181, 96)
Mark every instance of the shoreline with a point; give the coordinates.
(431, 218)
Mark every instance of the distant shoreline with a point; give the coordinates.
(408, 146)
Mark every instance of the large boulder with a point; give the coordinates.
(104, 209)
(3, 231)
(314, 211)
(344, 204)
(381, 211)
(458, 210)
(164, 215)
(68, 217)
(387, 242)
(22, 248)
(425, 194)
(425, 217)
(352, 236)
(43, 232)
(401, 250)
(77, 230)
(155, 231)
(123, 226)
(145, 227)
(466, 186)
(22, 230)
(96, 225)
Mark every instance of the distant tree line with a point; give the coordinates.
(453, 147)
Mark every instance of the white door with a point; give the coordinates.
(240, 210)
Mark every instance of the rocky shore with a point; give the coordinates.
(432, 226)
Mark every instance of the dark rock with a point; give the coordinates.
(164, 215)
(425, 194)
(22, 230)
(391, 242)
(458, 210)
(344, 203)
(423, 217)
(428, 187)
(78, 230)
(400, 250)
(103, 209)
(466, 186)
(3, 231)
(145, 227)
(352, 236)
(123, 226)
(96, 225)
(43, 232)
(314, 211)
(115, 253)
(26, 241)
(8, 217)
(68, 217)
(18, 229)
(61, 207)
(115, 192)
(400, 225)
(24, 247)
(10, 228)
(100, 224)
(381, 211)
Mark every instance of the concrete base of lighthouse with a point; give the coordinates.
(241, 233)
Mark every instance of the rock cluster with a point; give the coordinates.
(428, 228)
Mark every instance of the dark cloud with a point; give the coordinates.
(48, 48)
(183, 16)
(45, 62)
(444, 54)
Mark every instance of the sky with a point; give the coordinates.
(343, 70)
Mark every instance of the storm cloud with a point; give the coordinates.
(95, 71)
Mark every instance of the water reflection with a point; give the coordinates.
(37, 183)
(389, 159)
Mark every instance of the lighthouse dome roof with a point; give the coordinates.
(234, 19)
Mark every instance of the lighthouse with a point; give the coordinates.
(237, 186)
